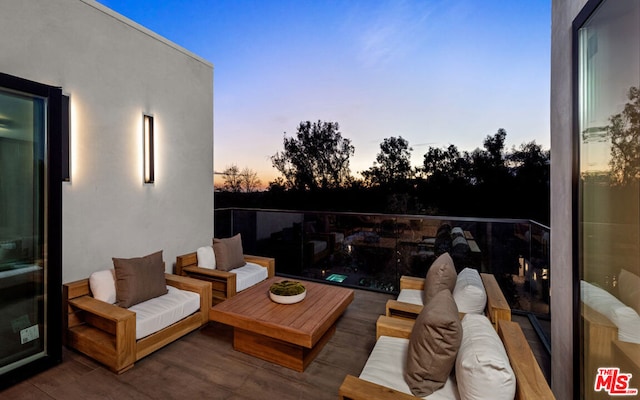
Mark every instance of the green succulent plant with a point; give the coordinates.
(287, 288)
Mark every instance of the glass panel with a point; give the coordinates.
(609, 215)
(372, 251)
(22, 266)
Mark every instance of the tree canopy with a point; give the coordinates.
(316, 158)
(392, 165)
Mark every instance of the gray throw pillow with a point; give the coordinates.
(139, 279)
(433, 345)
(228, 252)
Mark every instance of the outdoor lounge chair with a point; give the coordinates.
(225, 284)
(117, 336)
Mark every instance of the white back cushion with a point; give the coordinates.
(103, 285)
(206, 257)
(469, 293)
(482, 367)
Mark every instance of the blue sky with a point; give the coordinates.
(436, 72)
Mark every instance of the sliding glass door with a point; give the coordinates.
(29, 204)
(608, 138)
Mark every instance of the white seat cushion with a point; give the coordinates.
(386, 366)
(249, 275)
(155, 314)
(411, 296)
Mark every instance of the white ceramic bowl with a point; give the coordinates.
(287, 299)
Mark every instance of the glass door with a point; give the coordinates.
(30, 226)
(608, 72)
(22, 260)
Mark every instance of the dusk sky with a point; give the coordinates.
(436, 72)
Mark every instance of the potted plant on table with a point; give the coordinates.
(287, 292)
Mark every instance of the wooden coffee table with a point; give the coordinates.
(290, 335)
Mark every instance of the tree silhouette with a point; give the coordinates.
(530, 163)
(392, 165)
(232, 180)
(316, 158)
(237, 181)
(489, 166)
(445, 165)
(249, 180)
(624, 133)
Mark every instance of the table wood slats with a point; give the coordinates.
(278, 332)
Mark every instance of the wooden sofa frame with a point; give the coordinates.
(497, 305)
(530, 381)
(107, 333)
(223, 283)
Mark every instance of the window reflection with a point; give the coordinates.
(609, 129)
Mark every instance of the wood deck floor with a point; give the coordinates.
(203, 365)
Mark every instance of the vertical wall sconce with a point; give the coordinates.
(148, 149)
(66, 139)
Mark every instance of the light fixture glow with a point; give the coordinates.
(149, 176)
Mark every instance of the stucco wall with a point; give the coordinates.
(562, 335)
(114, 70)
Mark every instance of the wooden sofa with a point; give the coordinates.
(223, 283)
(497, 305)
(530, 381)
(107, 333)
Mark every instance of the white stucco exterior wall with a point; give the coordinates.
(562, 153)
(114, 71)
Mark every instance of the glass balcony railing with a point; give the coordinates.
(372, 251)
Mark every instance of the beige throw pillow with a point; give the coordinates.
(139, 279)
(441, 275)
(433, 345)
(228, 253)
